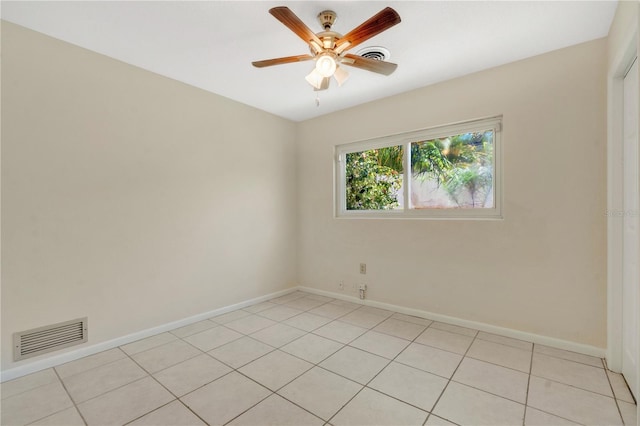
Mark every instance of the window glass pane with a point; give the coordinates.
(453, 172)
(374, 179)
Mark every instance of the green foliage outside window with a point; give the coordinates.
(373, 179)
(461, 164)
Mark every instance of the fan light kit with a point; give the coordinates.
(328, 47)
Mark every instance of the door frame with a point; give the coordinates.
(623, 59)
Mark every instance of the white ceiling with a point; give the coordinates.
(210, 44)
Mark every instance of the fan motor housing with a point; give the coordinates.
(327, 18)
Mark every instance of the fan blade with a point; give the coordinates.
(278, 61)
(289, 19)
(380, 67)
(378, 23)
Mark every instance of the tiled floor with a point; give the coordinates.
(304, 359)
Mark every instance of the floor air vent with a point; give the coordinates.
(30, 343)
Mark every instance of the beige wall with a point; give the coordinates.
(543, 268)
(138, 200)
(132, 198)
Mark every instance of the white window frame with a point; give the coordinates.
(405, 139)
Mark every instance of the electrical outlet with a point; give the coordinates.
(362, 290)
(363, 268)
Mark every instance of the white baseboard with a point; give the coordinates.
(507, 332)
(52, 361)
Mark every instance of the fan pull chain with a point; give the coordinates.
(317, 99)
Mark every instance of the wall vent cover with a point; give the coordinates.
(37, 341)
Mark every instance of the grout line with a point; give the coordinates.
(124, 355)
(573, 386)
(571, 360)
(381, 370)
(361, 308)
(453, 374)
(73, 402)
(166, 388)
(526, 398)
(614, 398)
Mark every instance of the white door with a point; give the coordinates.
(631, 233)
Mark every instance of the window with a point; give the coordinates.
(445, 172)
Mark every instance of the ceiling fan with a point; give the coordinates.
(328, 47)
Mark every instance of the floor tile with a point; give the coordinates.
(304, 303)
(535, 417)
(68, 417)
(288, 297)
(226, 398)
(583, 376)
(373, 408)
(455, 329)
(321, 392)
(280, 313)
(132, 401)
(571, 356)
(394, 370)
(254, 309)
(307, 321)
(276, 411)
(212, 338)
(411, 385)
(241, 351)
(230, 316)
(250, 324)
(376, 311)
(468, 406)
(319, 297)
(312, 348)
(278, 335)
(102, 379)
(398, 328)
(506, 356)
(148, 343)
(362, 319)
(332, 310)
(164, 356)
(501, 381)
(434, 420)
(520, 344)
(355, 364)
(275, 369)
(380, 344)
(571, 403)
(191, 374)
(340, 331)
(172, 414)
(620, 388)
(412, 319)
(28, 382)
(34, 404)
(194, 328)
(432, 360)
(87, 363)
(629, 413)
(346, 303)
(446, 340)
